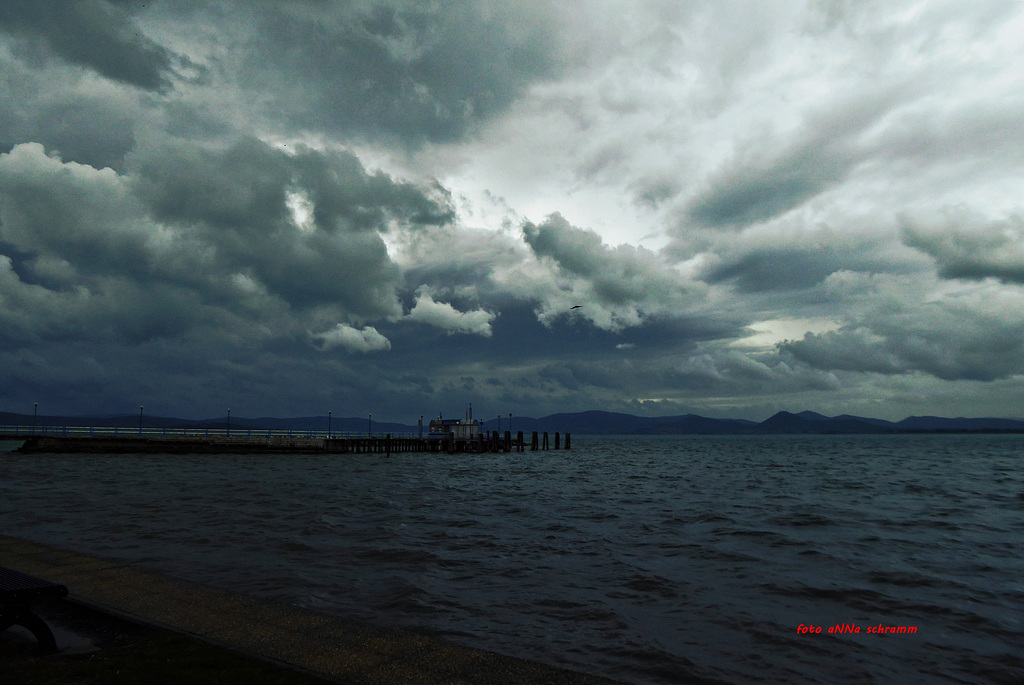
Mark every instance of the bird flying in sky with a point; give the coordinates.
(575, 306)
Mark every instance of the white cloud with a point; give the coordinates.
(367, 339)
(766, 334)
(301, 208)
(446, 317)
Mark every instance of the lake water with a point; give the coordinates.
(647, 559)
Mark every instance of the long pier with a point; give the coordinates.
(127, 443)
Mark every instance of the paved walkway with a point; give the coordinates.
(335, 648)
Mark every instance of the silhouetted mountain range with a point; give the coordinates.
(588, 422)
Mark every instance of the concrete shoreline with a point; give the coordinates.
(317, 643)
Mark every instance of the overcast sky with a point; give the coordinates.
(285, 208)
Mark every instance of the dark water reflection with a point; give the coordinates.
(646, 559)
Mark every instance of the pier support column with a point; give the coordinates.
(508, 441)
(556, 440)
(567, 441)
(533, 442)
(544, 445)
(519, 440)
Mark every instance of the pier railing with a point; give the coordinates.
(20, 432)
(122, 439)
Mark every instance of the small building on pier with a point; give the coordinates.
(464, 429)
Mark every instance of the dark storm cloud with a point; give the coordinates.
(88, 128)
(949, 340)
(236, 202)
(346, 197)
(849, 350)
(82, 120)
(77, 219)
(408, 71)
(615, 276)
(195, 375)
(241, 188)
(760, 183)
(454, 261)
(774, 269)
(93, 131)
(731, 372)
(196, 237)
(200, 240)
(90, 33)
(752, 194)
(965, 245)
(102, 309)
(634, 381)
(799, 261)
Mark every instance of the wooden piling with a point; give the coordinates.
(556, 440)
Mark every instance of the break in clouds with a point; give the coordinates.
(287, 208)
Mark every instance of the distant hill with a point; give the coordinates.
(580, 423)
(610, 423)
(811, 422)
(937, 423)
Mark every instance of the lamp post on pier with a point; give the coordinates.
(35, 412)
(229, 422)
(140, 420)
(328, 425)
(369, 425)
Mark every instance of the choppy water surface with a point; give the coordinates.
(651, 559)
